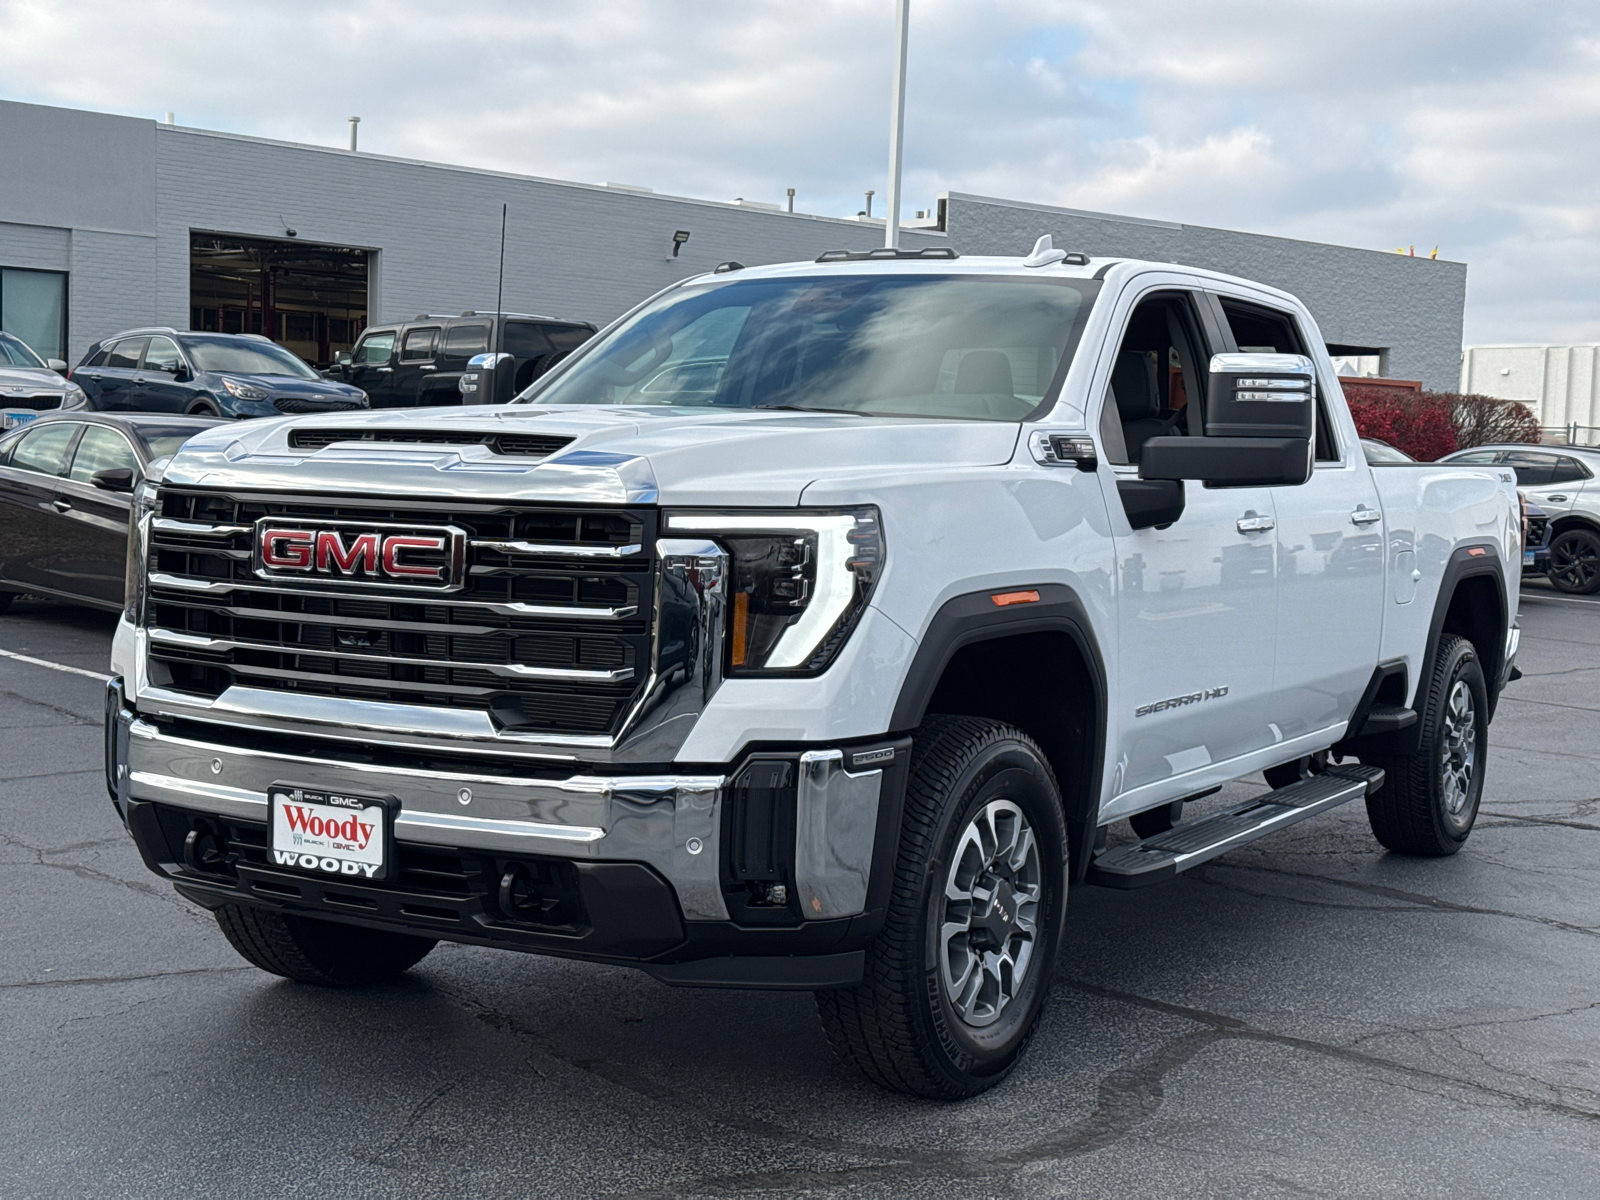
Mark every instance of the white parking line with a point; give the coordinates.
(54, 666)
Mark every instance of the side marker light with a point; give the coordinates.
(1003, 599)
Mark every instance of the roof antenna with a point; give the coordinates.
(1043, 254)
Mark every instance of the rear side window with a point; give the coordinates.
(101, 449)
(418, 346)
(44, 449)
(1476, 457)
(1568, 470)
(463, 341)
(126, 353)
(1533, 470)
(1266, 331)
(99, 358)
(567, 337)
(375, 348)
(525, 340)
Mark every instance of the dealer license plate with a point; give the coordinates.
(330, 833)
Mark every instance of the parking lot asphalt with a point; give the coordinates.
(1306, 1016)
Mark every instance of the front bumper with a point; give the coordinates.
(646, 861)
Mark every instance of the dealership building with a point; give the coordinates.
(109, 222)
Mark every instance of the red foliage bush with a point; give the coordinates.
(1416, 422)
(1429, 425)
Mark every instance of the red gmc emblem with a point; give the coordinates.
(429, 557)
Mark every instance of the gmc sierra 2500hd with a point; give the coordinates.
(806, 629)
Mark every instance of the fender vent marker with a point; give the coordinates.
(1004, 599)
(1476, 552)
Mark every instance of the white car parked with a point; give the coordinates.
(1562, 482)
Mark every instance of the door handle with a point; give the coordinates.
(1556, 499)
(426, 367)
(1255, 524)
(61, 506)
(1365, 516)
(383, 370)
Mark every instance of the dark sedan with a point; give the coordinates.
(65, 485)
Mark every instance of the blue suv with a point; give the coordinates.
(205, 374)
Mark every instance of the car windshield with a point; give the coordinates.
(237, 357)
(15, 353)
(162, 440)
(959, 346)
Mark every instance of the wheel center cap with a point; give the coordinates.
(999, 918)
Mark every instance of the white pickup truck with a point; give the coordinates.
(807, 629)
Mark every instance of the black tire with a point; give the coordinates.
(202, 408)
(1575, 562)
(311, 951)
(1156, 821)
(1429, 797)
(900, 1026)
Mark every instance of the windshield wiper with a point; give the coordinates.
(850, 412)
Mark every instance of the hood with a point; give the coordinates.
(29, 379)
(288, 385)
(615, 456)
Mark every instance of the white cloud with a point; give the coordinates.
(1464, 123)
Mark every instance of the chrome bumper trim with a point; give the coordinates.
(836, 823)
(671, 822)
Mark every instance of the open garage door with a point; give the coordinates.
(311, 299)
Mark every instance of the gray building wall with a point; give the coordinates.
(113, 201)
(1412, 308)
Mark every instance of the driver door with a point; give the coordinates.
(1197, 600)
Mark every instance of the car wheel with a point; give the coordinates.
(1429, 798)
(1575, 562)
(203, 408)
(311, 951)
(955, 982)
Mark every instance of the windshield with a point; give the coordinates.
(14, 353)
(245, 358)
(958, 346)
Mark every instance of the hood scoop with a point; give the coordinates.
(526, 445)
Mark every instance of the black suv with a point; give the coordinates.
(420, 362)
(205, 375)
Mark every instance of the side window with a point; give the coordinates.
(418, 346)
(126, 353)
(101, 449)
(44, 449)
(7, 445)
(463, 341)
(162, 355)
(1266, 331)
(1568, 470)
(375, 348)
(1533, 469)
(100, 356)
(566, 338)
(1477, 457)
(1156, 381)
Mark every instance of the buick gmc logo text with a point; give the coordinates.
(418, 558)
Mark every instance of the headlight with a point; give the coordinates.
(73, 396)
(136, 579)
(798, 582)
(245, 391)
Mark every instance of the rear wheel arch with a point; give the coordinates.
(1035, 666)
(1470, 604)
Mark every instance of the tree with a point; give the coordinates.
(1417, 422)
(1485, 421)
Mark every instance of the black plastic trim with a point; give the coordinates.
(974, 617)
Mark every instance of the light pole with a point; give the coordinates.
(897, 125)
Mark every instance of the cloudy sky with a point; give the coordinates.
(1473, 126)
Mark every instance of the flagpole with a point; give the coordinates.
(897, 125)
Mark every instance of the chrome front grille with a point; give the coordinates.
(549, 631)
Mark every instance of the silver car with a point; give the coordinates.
(29, 385)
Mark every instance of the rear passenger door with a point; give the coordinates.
(1552, 481)
(461, 342)
(419, 347)
(28, 490)
(1330, 536)
(114, 379)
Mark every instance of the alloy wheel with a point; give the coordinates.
(1458, 755)
(1575, 563)
(990, 913)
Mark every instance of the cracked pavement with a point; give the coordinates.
(1304, 1016)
